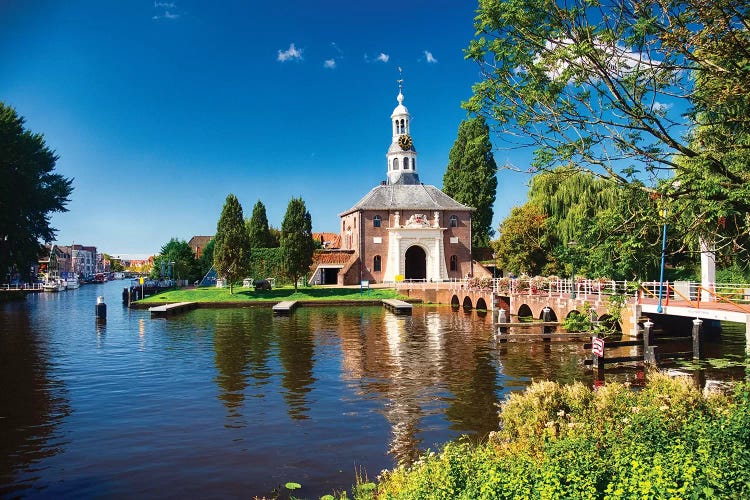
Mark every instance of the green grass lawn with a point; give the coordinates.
(278, 294)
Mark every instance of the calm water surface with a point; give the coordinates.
(235, 402)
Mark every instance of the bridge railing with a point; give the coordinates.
(21, 286)
(693, 293)
(553, 286)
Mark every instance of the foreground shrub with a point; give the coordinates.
(666, 441)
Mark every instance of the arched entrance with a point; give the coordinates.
(415, 263)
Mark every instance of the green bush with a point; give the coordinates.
(666, 441)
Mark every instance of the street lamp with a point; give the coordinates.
(572, 245)
(659, 308)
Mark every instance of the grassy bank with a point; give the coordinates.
(222, 295)
(666, 441)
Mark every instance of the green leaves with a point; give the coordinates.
(471, 176)
(30, 192)
(297, 245)
(231, 243)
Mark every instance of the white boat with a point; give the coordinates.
(54, 286)
(71, 283)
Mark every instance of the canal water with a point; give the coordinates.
(237, 402)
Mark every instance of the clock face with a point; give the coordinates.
(405, 142)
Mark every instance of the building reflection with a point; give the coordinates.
(425, 366)
(32, 404)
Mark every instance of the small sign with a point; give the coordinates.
(597, 346)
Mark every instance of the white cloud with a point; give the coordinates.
(382, 57)
(619, 60)
(329, 63)
(430, 58)
(168, 14)
(292, 53)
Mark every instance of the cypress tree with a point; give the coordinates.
(231, 243)
(297, 243)
(257, 228)
(471, 176)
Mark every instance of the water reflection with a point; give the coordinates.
(297, 356)
(32, 403)
(235, 402)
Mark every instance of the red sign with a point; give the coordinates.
(597, 346)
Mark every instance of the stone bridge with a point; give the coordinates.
(524, 304)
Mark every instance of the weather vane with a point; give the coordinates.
(400, 80)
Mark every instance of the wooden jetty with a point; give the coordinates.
(285, 307)
(168, 309)
(397, 306)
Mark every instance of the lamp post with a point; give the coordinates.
(659, 308)
(572, 245)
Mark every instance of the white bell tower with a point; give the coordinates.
(401, 156)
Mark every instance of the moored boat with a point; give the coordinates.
(53, 286)
(71, 283)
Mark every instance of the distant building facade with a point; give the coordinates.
(198, 244)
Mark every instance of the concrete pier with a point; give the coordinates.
(285, 307)
(169, 309)
(397, 306)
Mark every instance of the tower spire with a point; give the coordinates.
(401, 156)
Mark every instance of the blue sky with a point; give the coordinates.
(158, 110)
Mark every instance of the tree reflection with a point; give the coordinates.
(32, 404)
(231, 343)
(296, 353)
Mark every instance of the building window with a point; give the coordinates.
(376, 221)
(454, 263)
(454, 221)
(395, 164)
(406, 163)
(376, 264)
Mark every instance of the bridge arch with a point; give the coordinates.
(467, 304)
(481, 304)
(609, 322)
(552, 314)
(573, 312)
(525, 311)
(455, 303)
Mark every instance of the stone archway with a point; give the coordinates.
(415, 263)
(525, 311)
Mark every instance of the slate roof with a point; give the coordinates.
(407, 197)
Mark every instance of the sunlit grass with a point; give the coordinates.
(275, 295)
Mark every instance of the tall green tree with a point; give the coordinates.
(231, 243)
(471, 176)
(257, 228)
(30, 192)
(617, 229)
(604, 85)
(525, 242)
(297, 243)
(177, 260)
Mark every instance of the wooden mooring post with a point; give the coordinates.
(651, 353)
